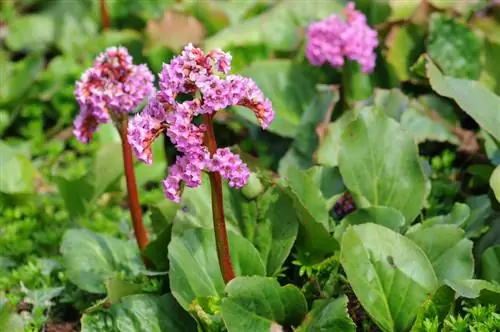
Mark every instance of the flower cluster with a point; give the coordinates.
(344, 205)
(334, 38)
(204, 75)
(113, 84)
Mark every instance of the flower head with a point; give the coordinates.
(204, 75)
(334, 38)
(112, 84)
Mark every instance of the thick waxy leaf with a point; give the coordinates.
(449, 251)
(328, 315)
(17, 173)
(284, 20)
(495, 182)
(482, 290)
(291, 88)
(380, 162)
(390, 275)
(454, 47)
(458, 216)
(194, 267)
(422, 128)
(91, 258)
(379, 215)
(473, 97)
(491, 71)
(439, 305)
(310, 205)
(137, 313)
(490, 264)
(406, 43)
(260, 304)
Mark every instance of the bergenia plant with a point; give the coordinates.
(206, 78)
(108, 91)
(338, 37)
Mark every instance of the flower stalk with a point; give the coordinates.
(104, 15)
(221, 240)
(140, 232)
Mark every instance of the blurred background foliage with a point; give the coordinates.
(49, 182)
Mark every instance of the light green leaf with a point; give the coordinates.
(117, 289)
(438, 306)
(17, 77)
(490, 264)
(482, 290)
(17, 173)
(449, 252)
(328, 315)
(407, 44)
(258, 304)
(380, 215)
(91, 258)
(390, 275)
(284, 19)
(30, 32)
(422, 128)
(454, 47)
(458, 216)
(393, 102)
(290, 87)
(475, 99)
(490, 76)
(138, 313)
(495, 182)
(380, 162)
(194, 267)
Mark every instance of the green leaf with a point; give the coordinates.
(283, 20)
(137, 313)
(105, 170)
(117, 289)
(393, 102)
(290, 87)
(277, 229)
(327, 153)
(390, 275)
(310, 206)
(17, 173)
(194, 267)
(454, 47)
(475, 99)
(328, 315)
(490, 76)
(482, 290)
(458, 216)
(490, 264)
(17, 77)
(30, 32)
(260, 304)
(380, 162)
(356, 84)
(495, 182)
(380, 215)
(449, 252)
(9, 319)
(91, 258)
(439, 305)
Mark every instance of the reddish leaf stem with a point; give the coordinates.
(221, 241)
(141, 235)
(104, 15)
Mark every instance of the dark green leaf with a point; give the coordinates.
(328, 315)
(490, 264)
(380, 215)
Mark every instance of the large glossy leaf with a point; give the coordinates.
(283, 20)
(449, 251)
(495, 182)
(490, 264)
(390, 275)
(290, 87)
(380, 215)
(194, 267)
(328, 315)
(422, 128)
(482, 290)
(17, 173)
(438, 306)
(473, 97)
(260, 304)
(137, 313)
(405, 45)
(490, 75)
(310, 205)
(380, 162)
(30, 32)
(458, 216)
(454, 47)
(91, 258)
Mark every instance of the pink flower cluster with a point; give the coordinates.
(204, 77)
(334, 38)
(113, 84)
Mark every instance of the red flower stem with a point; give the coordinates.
(141, 235)
(104, 15)
(221, 241)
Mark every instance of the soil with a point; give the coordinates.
(358, 314)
